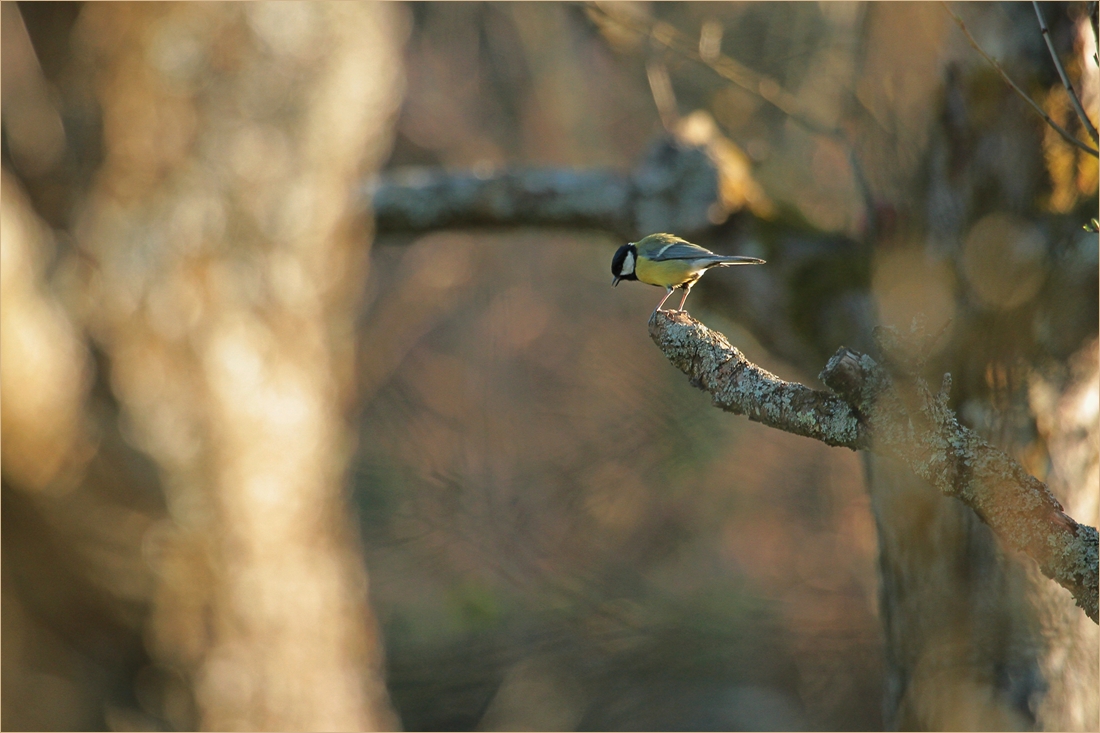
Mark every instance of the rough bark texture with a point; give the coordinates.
(737, 385)
(908, 424)
(918, 428)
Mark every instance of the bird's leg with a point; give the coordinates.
(687, 289)
(669, 289)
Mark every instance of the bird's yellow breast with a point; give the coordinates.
(670, 273)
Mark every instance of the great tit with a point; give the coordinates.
(670, 262)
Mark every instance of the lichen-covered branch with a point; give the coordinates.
(737, 385)
(899, 417)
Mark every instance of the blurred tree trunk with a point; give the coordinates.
(976, 637)
(228, 259)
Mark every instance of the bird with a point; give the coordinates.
(669, 262)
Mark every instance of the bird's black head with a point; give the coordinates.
(622, 264)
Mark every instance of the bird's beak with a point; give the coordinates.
(615, 281)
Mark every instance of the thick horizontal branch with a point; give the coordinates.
(674, 188)
(424, 199)
(900, 419)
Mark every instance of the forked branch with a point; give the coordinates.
(872, 408)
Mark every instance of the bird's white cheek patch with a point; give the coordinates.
(628, 264)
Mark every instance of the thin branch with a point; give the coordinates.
(1023, 95)
(900, 419)
(663, 96)
(1062, 73)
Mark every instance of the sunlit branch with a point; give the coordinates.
(1023, 95)
(743, 388)
(663, 96)
(1062, 74)
(900, 418)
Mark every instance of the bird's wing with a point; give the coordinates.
(682, 251)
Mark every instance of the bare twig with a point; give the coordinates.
(1062, 73)
(901, 419)
(1023, 95)
(663, 96)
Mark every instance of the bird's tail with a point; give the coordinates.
(736, 260)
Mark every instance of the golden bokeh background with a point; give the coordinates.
(266, 466)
